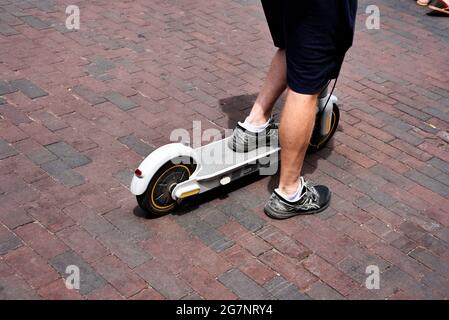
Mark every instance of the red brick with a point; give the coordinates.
(126, 281)
(88, 219)
(58, 291)
(39, 133)
(350, 211)
(344, 224)
(283, 243)
(207, 285)
(11, 214)
(288, 268)
(50, 216)
(235, 231)
(99, 202)
(148, 294)
(31, 267)
(404, 196)
(83, 243)
(387, 216)
(11, 133)
(341, 189)
(411, 150)
(335, 278)
(165, 282)
(374, 142)
(147, 90)
(5, 270)
(372, 120)
(25, 169)
(321, 291)
(396, 257)
(40, 240)
(189, 250)
(375, 132)
(355, 156)
(106, 292)
(248, 264)
(430, 197)
(60, 195)
(332, 170)
(438, 215)
(434, 150)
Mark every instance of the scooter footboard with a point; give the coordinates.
(267, 165)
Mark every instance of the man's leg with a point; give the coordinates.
(297, 122)
(295, 196)
(274, 85)
(256, 130)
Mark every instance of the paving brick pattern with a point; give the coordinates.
(80, 109)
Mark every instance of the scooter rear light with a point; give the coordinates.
(138, 173)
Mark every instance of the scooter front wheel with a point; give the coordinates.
(318, 141)
(157, 199)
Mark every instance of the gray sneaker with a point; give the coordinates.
(313, 200)
(244, 141)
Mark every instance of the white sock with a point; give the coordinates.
(253, 128)
(295, 196)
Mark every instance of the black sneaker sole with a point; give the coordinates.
(246, 149)
(233, 148)
(279, 215)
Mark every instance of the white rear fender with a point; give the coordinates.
(155, 160)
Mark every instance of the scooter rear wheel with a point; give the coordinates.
(157, 200)
(318, 141)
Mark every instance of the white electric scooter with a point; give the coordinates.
(175, 171)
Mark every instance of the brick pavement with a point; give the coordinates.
(78, 110)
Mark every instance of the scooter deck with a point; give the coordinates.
(217, 158)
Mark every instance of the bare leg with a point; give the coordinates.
(297, 122)
(274, 85)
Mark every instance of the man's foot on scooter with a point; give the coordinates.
(244, 140)
(313, 199)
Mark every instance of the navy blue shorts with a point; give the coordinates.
(315, 35)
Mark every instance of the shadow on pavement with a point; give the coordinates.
(196, 202)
